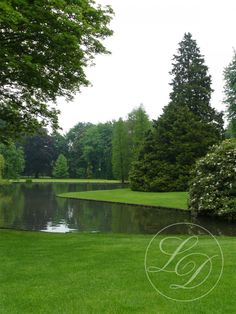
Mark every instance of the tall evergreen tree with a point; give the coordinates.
(191, 83)
(230, 95)
(120, 151)
(186, 129)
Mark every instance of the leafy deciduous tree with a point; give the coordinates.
(74, 139)
(138, 125)
(45, 47)
(60, 144)
(97, 150)
(39, 154)
(14, 161)
(120, 151)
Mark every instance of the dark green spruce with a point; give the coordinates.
(185, 130)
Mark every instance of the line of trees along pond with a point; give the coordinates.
(104, 150)
(154, 156)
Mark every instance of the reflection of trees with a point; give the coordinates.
(90, 216)
(40, 205)
(139, 219)
(11, 206)
(32, 206)
(120, 218)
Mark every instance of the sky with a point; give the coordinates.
(146, 36)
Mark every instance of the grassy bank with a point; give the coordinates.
(52, 180)
(94, 273)
(164, 199)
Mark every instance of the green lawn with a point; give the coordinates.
(95, 273)
(52, 180)
(164, 199)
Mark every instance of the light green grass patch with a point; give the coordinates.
(162, 199)
(95, 273)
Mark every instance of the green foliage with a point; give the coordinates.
(60, 144)
(230, 95)
(213, 188)
(60, 169)
(74, 138)
(45, 47)
(89, 150)
(120, 151)
(230, 130)
(14, 161)
(89, 171)
(191, 83)
(186, 129)
(97, 150)
(2, 166)
(39, 154)
(138, 125)
(178, 138)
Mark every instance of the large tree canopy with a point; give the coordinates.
(45, 47)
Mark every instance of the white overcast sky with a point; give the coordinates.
(146, 35)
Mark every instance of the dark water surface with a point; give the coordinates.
(36, 207)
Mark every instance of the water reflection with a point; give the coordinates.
(36, 207)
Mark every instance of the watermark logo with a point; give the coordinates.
(184, 267)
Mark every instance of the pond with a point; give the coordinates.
(36, 207)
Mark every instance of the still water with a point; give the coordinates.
(36, 207)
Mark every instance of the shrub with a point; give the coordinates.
(213, 187)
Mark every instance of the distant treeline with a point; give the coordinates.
(103, 150)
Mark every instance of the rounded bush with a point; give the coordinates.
(213, 187)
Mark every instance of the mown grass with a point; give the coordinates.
(52, 180)
(95, 273)
(163, 199)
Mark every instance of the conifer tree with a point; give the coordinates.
(60, 169)
(185, 130)
(170, 150)
(191, 83)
